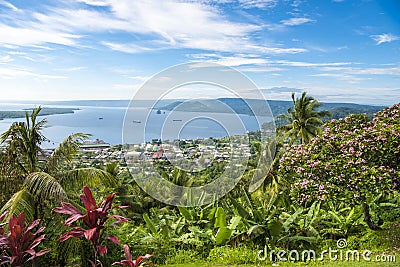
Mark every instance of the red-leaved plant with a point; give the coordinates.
(18, 245)
(94, 221)
(2, 246)
(133, 263)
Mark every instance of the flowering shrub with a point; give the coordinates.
(353, 160)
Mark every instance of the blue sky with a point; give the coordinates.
(337, 50)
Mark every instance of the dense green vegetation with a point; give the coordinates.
(331, 183)
(8, 114)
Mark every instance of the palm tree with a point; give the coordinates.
(37, 178)
(304, 121)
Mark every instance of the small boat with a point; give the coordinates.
(176, 120)
(135, 121)
(100, 118)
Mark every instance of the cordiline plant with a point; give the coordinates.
(133, 263)
(95, 222)
(17, 246)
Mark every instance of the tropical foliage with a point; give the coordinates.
(353, 161)
(304, 120)
(332, 180)
(35, 177)
(95, 221)
(17, 246)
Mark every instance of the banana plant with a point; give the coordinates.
(340, 221)
(224, 231)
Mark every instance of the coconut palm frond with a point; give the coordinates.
(303, 120)
(22, 201)
(68, 147)
(44, 186)
(87, 176)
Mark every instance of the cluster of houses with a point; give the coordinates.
(149, 151)
(104, 152)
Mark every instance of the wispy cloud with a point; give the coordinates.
(260, 69)
(384, 38)
(71, 69)
(17, 73)
(9, 5)
(365, 71)
(34, 36)
(6, 59)
(296, 21)
(310, 64)
(237, 60)
(258, 3)
(129, 48)
(341, 76)
(140, 78)
(282, 89)
(94, 2)
(195, 25)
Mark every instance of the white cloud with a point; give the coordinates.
(9, 5)
(296, 21)
(258, 3)
(17, 73)
(140, 78)
(384, 38)
(310, 64)
(16, 36)
(247, 62)
(154, 25)
(6, 59)
(365, 71)
(70, 69)
(341, 76)
(239, 61)
(126, 48)
(94, 2)
(260, 69)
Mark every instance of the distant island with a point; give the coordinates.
(16, 114)
(239, 106)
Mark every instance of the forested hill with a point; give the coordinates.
(11, 114)
(337, 110)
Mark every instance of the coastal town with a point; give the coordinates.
(98, 152)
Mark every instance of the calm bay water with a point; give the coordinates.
(106, 123)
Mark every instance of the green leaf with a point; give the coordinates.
(256, 230)
(186, 213)
(44, 186)
(291, 219)
(150, 224)
(22, 201)
(87, 176)
(220, 218)
(223, 235)
(211, 215)
(275, 228)
(240, 209)
(234, 222)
